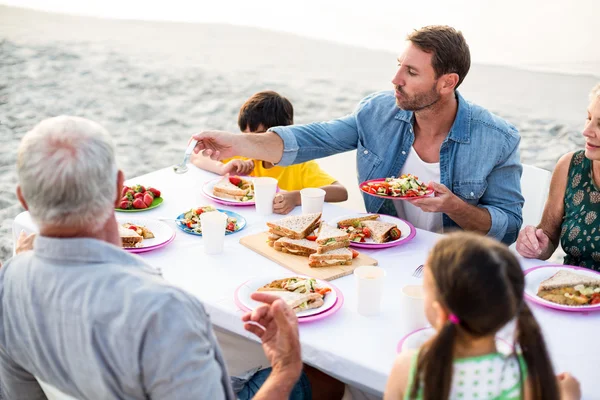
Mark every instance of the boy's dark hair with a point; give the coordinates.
(449, 49)
(267, 108)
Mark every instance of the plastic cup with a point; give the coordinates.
(312, 200)
(264, 193)
(369, 289)
(412, 307)
(213, 231)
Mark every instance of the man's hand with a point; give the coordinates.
(444, 201)
(238, 167)
(277, 327)
(217, 144)
(25, 242)
(532, 242)
(284, 202)
(568, 387)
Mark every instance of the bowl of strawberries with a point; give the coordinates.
(139, 198)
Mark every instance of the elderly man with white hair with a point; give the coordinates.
(94, 321)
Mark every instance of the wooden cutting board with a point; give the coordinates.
(299, 264)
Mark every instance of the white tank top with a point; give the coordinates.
(426, 172)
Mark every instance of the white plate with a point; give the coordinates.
(535, 276)
(254, 284)
(405, 229)
(416, 339)
(163, 233)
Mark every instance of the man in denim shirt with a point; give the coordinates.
(424, 127)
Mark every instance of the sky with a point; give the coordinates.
(550, 35)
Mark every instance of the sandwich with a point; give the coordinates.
(298, 301)
(570, 289)
(299, 247)
(356, 222)
(295, 227)
(330, 258)
(129, 237)
(235, 188)
(272, 238)
(141, 230)
(382, 232)
(331, 238)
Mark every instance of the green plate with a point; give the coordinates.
(155, 203)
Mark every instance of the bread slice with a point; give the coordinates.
(224, 188)
(354, 221)
(567, 279)
(129, 237)
(298, 301)
(341, 256)
(380, 231)
(295, 227)
(299, 247)
(331, 238)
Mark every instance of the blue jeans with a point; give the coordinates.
(301, 391)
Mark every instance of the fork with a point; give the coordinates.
(418, 272)
(182, 168)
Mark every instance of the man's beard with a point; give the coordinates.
(419, 101)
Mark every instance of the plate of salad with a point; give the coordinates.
(189, 221)
(402, 188)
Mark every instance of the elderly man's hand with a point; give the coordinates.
(276, 324)
(25, 242)
(444, 201)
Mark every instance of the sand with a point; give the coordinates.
(153, 84)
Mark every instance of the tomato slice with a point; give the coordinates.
(354, 253)
(366, 232)
(312, 237)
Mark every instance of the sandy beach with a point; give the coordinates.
(153, 84)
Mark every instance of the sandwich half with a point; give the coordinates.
(295, 227)
(298, 301)
(571, 289)
(225, 189)
(381, 232)
(299, 247)
(330, 258)
(355, 222)
(331, 238)
(129, 237)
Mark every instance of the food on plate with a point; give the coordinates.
(570, 289)
(330, 258)
(137, 197)
(295, 227)
(356, 221)
(140, 230)
(130, 238)
(331, 238)
(299, 293)
(382, 232)
(405, 186)
(235, 188)
(299, 247)
(191, 219)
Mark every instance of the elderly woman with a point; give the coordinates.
(573, 206)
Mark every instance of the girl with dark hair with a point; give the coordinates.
(473, 286)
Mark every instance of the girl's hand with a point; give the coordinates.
(285, 202)
(238, 167)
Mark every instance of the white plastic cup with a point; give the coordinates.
(264, 193)
(213, 231)
(312, 200)
(369, 289)
(412, 307)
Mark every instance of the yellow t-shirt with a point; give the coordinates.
(293, 177)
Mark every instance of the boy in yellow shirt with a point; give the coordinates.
(260, 112)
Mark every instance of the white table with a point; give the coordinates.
(356, 349)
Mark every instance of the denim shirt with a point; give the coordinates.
(479, 159)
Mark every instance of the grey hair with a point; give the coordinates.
(595, 93)
(67, 173)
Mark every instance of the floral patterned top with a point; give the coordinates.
(580, 231)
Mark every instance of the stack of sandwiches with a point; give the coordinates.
(289, 235)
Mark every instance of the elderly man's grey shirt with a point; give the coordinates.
(98, 323)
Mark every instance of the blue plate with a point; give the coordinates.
(241, 223)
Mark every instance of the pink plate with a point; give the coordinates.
(402, 225)
(315, 317)
(534, 276)
(501, 344)
(427, 194)
(207, 190)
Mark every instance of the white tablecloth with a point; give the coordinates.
(356, 349)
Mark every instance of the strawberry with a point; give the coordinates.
(130, 191)
(138, 196)
(235, 180)
(124, 191)
(148, 199)
(125, 205)
(139, 203)
(155, 192)
(139, 188)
